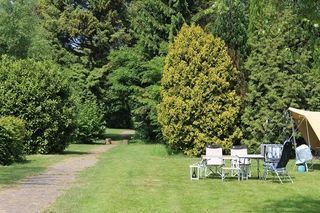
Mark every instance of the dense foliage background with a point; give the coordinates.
(106, 59)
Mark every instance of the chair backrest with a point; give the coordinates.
(271, 152)
(285, 155)
(241, 150)
(216, 151)
(215, 155)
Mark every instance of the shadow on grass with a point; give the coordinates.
(74, 153)
(12, 175)
(315, 166)
(24, 161)
(98, 142)
(293, 204)
(272, 178)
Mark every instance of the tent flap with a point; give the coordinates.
(308, 123)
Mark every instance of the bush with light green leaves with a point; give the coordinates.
(200, 104)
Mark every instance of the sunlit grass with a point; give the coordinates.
(144, 178)
(115, 131)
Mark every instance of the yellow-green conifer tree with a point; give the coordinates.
(200, 104)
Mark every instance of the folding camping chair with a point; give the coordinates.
(234, 169)
(242, 163)
(213, 160)
(279, 167)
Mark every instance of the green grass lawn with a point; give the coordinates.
(115, 134)
(114, 131)
(143, 178)
(35, 164)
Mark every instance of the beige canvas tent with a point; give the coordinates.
(308, 124)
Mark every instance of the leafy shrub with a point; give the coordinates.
(199, 101)
(88, 114)
(89, 122)
(12, 134)
(37, 93)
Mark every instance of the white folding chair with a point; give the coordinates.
(241, 162)
(214, 160)
(234, 169)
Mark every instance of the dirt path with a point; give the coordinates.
(127, 134)
(36, 193)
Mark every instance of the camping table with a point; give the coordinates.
(258, 157)
(224, 157)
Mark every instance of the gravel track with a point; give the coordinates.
(36, 193)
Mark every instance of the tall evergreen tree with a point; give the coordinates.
(155, 22)
(199, 103)
(280, 72)
(231, 25)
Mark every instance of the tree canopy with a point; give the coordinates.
(21, 32)
(87, 29)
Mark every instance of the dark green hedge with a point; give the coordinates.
(37, 93)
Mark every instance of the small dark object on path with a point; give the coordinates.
(108, 141)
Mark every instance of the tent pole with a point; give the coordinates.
(294, 136)
(306, 165)
(308, 133)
